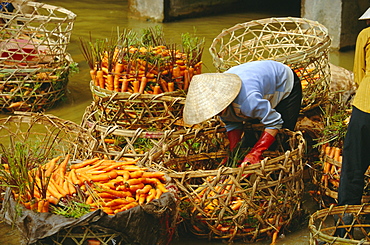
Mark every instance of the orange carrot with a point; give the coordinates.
(84, 163)
(151, 196)
(176, 72)
(100, 78)
(161, 187)
(236, 205)
(51, 166)
(116, 202)
(142, 198)
(53, 200)
(157, 174)
(75, 180)
(110, 82)
(134, 188)
(116, 83)
(171, 86)
(93, 76)
(136, 85)
(125, 83)
(40, 205)
(133, 182)
(118, 67)
(143, 83)
(144, 190)
(191, 73)
(136, 174)
(104, 177)
(54, 192)
(157, 89)
(163, 84)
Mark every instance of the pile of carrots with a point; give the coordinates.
(112, 186)
(151, 70)
(331, 170)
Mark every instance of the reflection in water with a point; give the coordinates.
(102, 18)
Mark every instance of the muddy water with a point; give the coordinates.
(100, 18)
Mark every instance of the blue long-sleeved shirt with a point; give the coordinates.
(264, 84)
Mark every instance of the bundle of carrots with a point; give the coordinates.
(145, 65)
(332, 160)
(112, 186)
(153, 70)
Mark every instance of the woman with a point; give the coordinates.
(267, 91)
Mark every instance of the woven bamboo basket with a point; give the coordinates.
(50, 134)
(300, 43)
(45, 136)
(135, 110)
(34, 34)
(248, 203)
(324, 223)
(115, 138)
(33, 90)
(327, 182)
(34, 63)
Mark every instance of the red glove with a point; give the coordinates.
(255, 154)
(234, 137)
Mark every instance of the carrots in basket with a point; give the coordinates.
(114, 185)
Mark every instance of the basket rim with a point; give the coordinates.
(70, 15)
(108, 94)
(157, 153)
(334, 209)
(292, 58)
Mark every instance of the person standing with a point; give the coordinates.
(356, 154)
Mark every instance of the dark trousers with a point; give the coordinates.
(356, 158)
(290, 106)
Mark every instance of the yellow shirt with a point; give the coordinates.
(362, 71)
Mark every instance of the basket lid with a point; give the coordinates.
(209, 94)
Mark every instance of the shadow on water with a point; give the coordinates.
(100, 18)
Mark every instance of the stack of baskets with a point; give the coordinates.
(34, 63)
(300, 43)
(139, 88)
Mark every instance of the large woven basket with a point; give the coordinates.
(34, 63)
(324, 223)
(300, 43)
(34, 34)
(33, 90)
(117, 135)
(134, 110)
(326, 177)
(50, 134)
(268, 193)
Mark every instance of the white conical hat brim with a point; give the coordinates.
(366, 15)
(208, 95)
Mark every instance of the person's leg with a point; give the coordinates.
(356, 158)
(290, 107)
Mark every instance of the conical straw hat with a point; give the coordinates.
(365, 15)
(208, 95)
